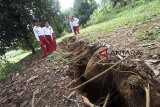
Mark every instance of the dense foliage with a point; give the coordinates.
(83, 9)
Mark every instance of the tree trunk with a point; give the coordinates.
(29, 44)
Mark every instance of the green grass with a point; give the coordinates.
(16, 55)
(59, 55)
(129, 15)
(152, 34)
(11, 64)
(63, 37)
(6, 67)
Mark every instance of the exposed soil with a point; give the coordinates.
(43, 82)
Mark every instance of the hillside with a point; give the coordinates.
(56, 81)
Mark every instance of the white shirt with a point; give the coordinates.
(71, 24)
(48, 30)
(38, 31)
(75, 22)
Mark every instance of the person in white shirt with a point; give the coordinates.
(75, 24)
(49, 34)
(39, 34)
(71, 24)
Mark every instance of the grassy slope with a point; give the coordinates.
(129, 15)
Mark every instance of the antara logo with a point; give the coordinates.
(105, 53)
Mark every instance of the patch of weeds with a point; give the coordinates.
(64, 61)
(155, 54)
(153, 34)
(56, 55)
(6, 67)
(59, 55)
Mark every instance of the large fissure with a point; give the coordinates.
(125, 82)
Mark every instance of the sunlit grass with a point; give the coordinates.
(16, 55)
(63, 37)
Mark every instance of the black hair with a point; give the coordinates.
(35, 20)
(47, 21)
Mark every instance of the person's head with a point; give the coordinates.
(36, 22)
(47, 23)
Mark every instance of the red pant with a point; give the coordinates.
(49, 39)
(45, 45)
(54, 42)
(76, 29)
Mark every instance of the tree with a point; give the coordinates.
(16, 20)
(66, 15)
(83, 9)
(113, 3)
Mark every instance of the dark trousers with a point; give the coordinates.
(76, 30)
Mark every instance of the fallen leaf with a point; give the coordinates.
(17, 74)
(2, 98)
(19, 94)
(36, 69)
(71, 94)
(24, 103)
(32, 78)
(87, 102)
(37, 91)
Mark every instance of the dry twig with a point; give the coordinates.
(33, 98)
(156, 71)
(147, 90)
(106, 101)
(87, 102)
(73, 100)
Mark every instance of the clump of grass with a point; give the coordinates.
(56, 55)
(152, 34)
(59, 55)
